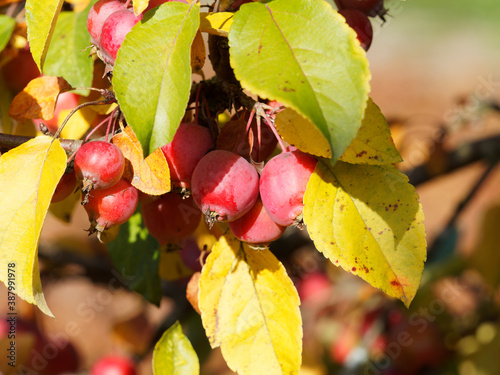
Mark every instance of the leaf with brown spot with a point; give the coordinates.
(198, 53)
(38, 99)
(150, 175)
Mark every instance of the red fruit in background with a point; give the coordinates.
(190, 254)
(99, 164)
(224, 185)
(111, 206)
(53, 357)
(360, 23)
(256, 226)
(371, 8)
(64, 188)
(313, 285)
(19, 71)
(283, 182)
(113, 32)
(98, 14)
(191, 142)
(65, 101)
(154, 3)
(26, 335)
(113, 365)
(171, 218)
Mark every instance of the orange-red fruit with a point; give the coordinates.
(360, 23)
(283, 182)
(171, 218)
(256, 226)
(113, 365)
(65, 186)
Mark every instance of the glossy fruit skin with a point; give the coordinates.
(191, 142)
(256, 226)
(371, 8)
(98, 14)
(171, 218)
(113, 365)
(64, 188)
(113, 33)
(224, 185)
(283, 182)
(111, 206)
(99, 163)
(360, 23)
(65, 101)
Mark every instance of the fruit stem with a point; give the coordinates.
(247, 129)
(270, 123)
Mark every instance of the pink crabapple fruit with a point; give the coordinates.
(191, 142)
(360, 23)
(113, 365)
(111, 206)
(256, 226)
(98, 14)
(171, 218)
(65, 187)
(224, 186)
(283, 182)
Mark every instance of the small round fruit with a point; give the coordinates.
(360, 23)
(111, 206)
(65, 186)
(113, 33)
(98, 14)
(256, 226)
(371, 8)
(99, 164)
(191, 142)
(171, 218)
(19, 71)
(283, 182)
(113, 365)
(224, 185)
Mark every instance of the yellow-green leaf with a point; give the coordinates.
(174, 354)
(41, 19)
(28, 177)
(367, 219)
(373, 143)
(216, 23)
(250, 308)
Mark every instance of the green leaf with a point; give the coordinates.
(152, 73)
(136, 256)
(7, 25)
(174, 354)
(41, 18)
(367, 219)
(302, 54)
(67, 56)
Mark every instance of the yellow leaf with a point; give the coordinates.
(302, 133)
(367, 219)
(172, 266)
(250, 308)
(140, 6)
(78, 124)
(38, 99)
(28, 177)
(198, 53)
(373, 143)
(216, 23)
(63, 210)
(150, 175)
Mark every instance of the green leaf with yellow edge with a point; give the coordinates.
(41, 19)
(303, 55)
(216, 23)
(250, 308)
(174, 354)
(367, 219)
(373, 144)
(152, 73)
(29, 174)
(7, 25)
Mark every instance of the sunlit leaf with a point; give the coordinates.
(28, 177)
(152, 73)
(216, 23)
(367, 219)
(140, 6)
(78, 124)
(38, 99)
(303, 55)
(150, 175)
(250, 309)
(7, 25)
(174, 354)
(41, 18)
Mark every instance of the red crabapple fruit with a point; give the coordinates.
(191, 142)
(99, 164)
(113, 365)
(171, 218)
(360, 23)
(65, 187)
(256, 226)
(224, 185)
(20, 70)
(283, 182)
(371, 8)
(98, 14)
(113, 33)
(111, 206)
